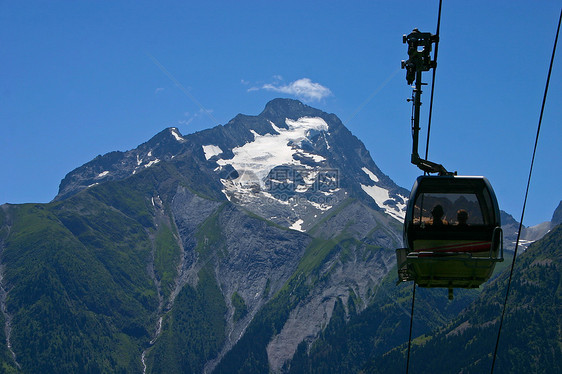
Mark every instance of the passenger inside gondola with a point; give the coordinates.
(437, 214)
(462, 217)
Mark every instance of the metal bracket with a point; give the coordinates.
(419, 52)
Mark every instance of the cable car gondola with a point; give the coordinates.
(452, 229)
(452, 233)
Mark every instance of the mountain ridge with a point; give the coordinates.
(349, 159)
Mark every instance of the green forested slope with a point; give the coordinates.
(451, 337)
(531, 337)
(77, 274)
(193, 331)
(76, 304)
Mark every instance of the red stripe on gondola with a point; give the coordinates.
(464, 247)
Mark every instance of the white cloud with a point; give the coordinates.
(302, 88)
(185, 122)
(158, 90)
(190, 117)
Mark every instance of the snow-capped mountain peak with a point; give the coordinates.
(290, 164)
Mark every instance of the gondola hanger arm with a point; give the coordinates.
(420, 45)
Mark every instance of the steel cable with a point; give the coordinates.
(526, 193)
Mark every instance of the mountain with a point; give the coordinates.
(290, 163)
(528, 234)
(262, 245)
(182, 254)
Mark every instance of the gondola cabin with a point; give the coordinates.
(452, 233)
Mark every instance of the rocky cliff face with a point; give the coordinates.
(120, 165)
(309, 183)
(557, 215)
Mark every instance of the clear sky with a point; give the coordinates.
(82, 78)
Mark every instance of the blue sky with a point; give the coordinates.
(82, 78)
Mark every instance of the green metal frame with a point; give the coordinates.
(449, 269)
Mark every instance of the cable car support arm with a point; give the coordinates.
(419, 52)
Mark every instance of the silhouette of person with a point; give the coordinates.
(437, 214)
(462, 217)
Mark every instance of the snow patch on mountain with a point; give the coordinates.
(211, 150)
(150, 163)
(175, 133)
(297, 225)
(321, 206)
(382, 197)
(371, 175)
(254, 160)
(281, 175)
